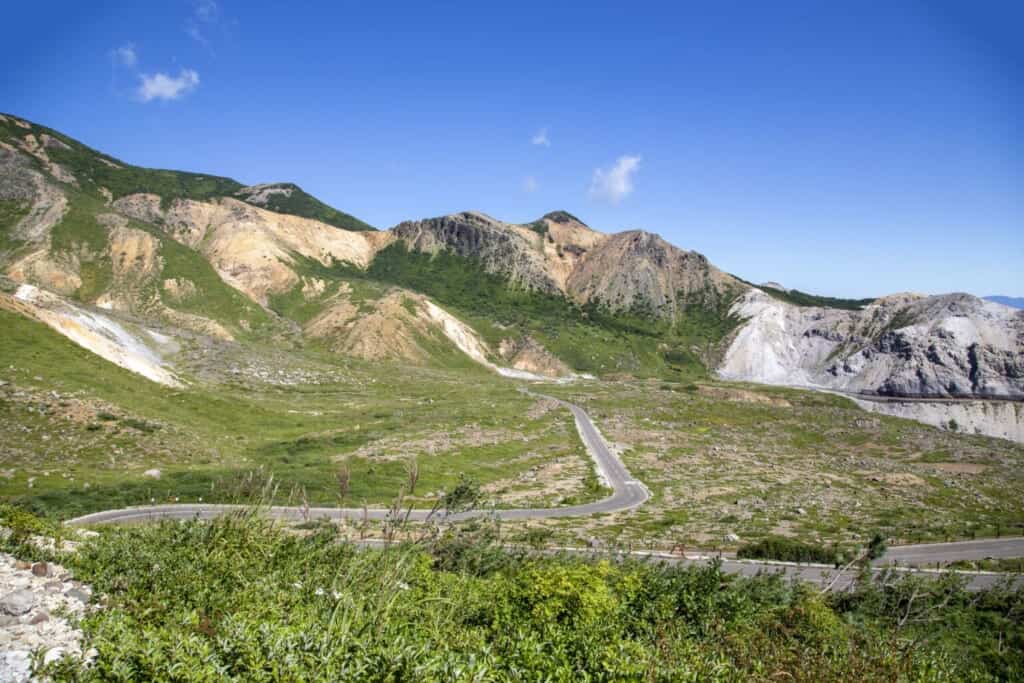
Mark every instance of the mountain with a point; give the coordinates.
(87, 239)
(1013, 301)
(953, 345)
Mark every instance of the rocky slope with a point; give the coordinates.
(39, 603)
(559, 254)
(949, 346)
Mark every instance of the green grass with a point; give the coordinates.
(210, 439)
(300, 203)
(240, 599)
(761, 462)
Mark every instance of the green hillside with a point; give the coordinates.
(298, 202)
(94, 169)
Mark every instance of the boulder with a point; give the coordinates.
(17, 603)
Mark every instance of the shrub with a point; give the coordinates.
(788, 550)
(241, 599)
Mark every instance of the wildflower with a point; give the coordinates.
(318, 592)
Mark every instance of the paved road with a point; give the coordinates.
(627, 493)
(930, 553)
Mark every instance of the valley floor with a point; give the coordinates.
(726, 463)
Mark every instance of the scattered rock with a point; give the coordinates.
(53, 654)
(29, 620)
(18, 602)
(15, 666)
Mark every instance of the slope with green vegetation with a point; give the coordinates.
(77, 433)
(798, 298)
(239, 599)
(591, 339)
(93, 170)
(291, 199)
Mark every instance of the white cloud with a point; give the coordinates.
(160, 86)
(125, 55)
(530, 184)
(615, 183)
(541, 138)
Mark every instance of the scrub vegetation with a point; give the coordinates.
(242, 599)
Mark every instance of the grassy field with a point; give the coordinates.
(77, 433)
(755, 461)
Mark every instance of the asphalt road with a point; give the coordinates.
(627, 493)
(931, 553)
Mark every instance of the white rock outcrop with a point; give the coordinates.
(949, 346)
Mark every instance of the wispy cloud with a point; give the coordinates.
(530, 184)
(160, 86)
(541, 138)
(205, 13)
(207, 10)
(125, 55)
(615, 183)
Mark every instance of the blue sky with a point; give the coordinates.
(848, 149)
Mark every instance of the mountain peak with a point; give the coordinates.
(561, 216)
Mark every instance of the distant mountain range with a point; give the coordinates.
(1015, 301)
(184, 253)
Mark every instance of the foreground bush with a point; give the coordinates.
(240, 599)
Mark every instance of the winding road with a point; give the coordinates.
(627, 493)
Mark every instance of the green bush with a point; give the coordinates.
(240, 599)
(788, 550)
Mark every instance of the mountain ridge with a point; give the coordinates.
(210, 255)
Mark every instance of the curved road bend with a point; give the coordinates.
(627, 493)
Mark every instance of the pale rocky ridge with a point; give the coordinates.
(953, 346)
(948, 346)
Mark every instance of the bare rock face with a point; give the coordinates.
(948, 346)
(530, 356)
(638, 269)
(498, 246)
(260, 195)
(558, 254)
